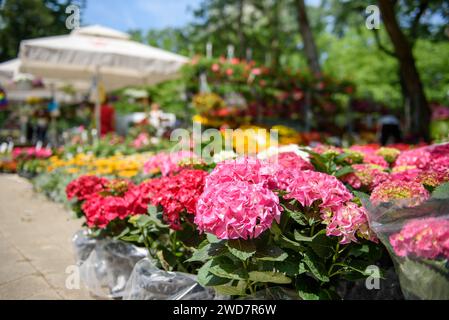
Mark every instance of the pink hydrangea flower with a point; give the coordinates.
(167, 163)
(325, 149)
(365, 149)
(291, 160)
(440, 163)
(426, 238)
(142, 140)
(413, 192)
(372, 158)
(365, 175)
(247, 169)
(347, 222)
(237, 209)
(310, 186)
(433, 177)
(388, 153)
(420, 158)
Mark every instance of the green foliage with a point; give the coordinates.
(26, 19)
(441, 192)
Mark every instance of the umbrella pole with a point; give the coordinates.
(97, 102)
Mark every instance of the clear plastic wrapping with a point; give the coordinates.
(83, 245)
(417, 239)
(107, 269)
(150, 283)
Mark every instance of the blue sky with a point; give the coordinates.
(125, 15)
(139, 14)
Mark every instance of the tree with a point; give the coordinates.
(420, 112)
(26, 19)
(310, 49)
(406, 21)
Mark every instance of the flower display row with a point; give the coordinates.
(303, 222)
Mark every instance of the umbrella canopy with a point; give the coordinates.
(98, 51)
(10, 73)
(19, 85)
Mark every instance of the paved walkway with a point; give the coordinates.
(35, 244)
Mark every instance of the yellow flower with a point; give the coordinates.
(127, 173)
(72, 170)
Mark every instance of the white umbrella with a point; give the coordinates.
(97, 52)
(18, 85)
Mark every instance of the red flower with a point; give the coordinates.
(85, 186)
(176, 194)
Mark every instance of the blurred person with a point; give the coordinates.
(42, 121)
(107, 117)
(389, 128)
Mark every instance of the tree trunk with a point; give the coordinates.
(420, 112)
(307, 37)
(240, 34)
(275, 50)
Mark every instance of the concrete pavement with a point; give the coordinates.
(35, 244)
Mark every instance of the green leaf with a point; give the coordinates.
(287, 243)
(300, 237)
(242, 249)
(322, 245)
(271, 253)
(212, 238)
(315, 266)
(269, 276)
(205, 278)
(306, 290)
(299, 217)
(208, 251)
(343, 171)
(130, 238)
(230, 290)
(342, 157)
(123, 233)
(224, 267)
(441, 192)
(362, 196)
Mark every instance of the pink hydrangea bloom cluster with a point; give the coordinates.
(412, 192)
(142, 140)
(426, 238)
(291, 160)
(248, 169)
(427, 165)
(348, 221)
(365, 176)
(238, 200)
(326, 149)
(310, 186)
(388, 153)
(167, 163)
(372, 158)
(237, 209)
(31, 153)
(342, 217)
(419, 158)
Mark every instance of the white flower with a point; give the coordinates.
(271, 151)
(224, 155)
